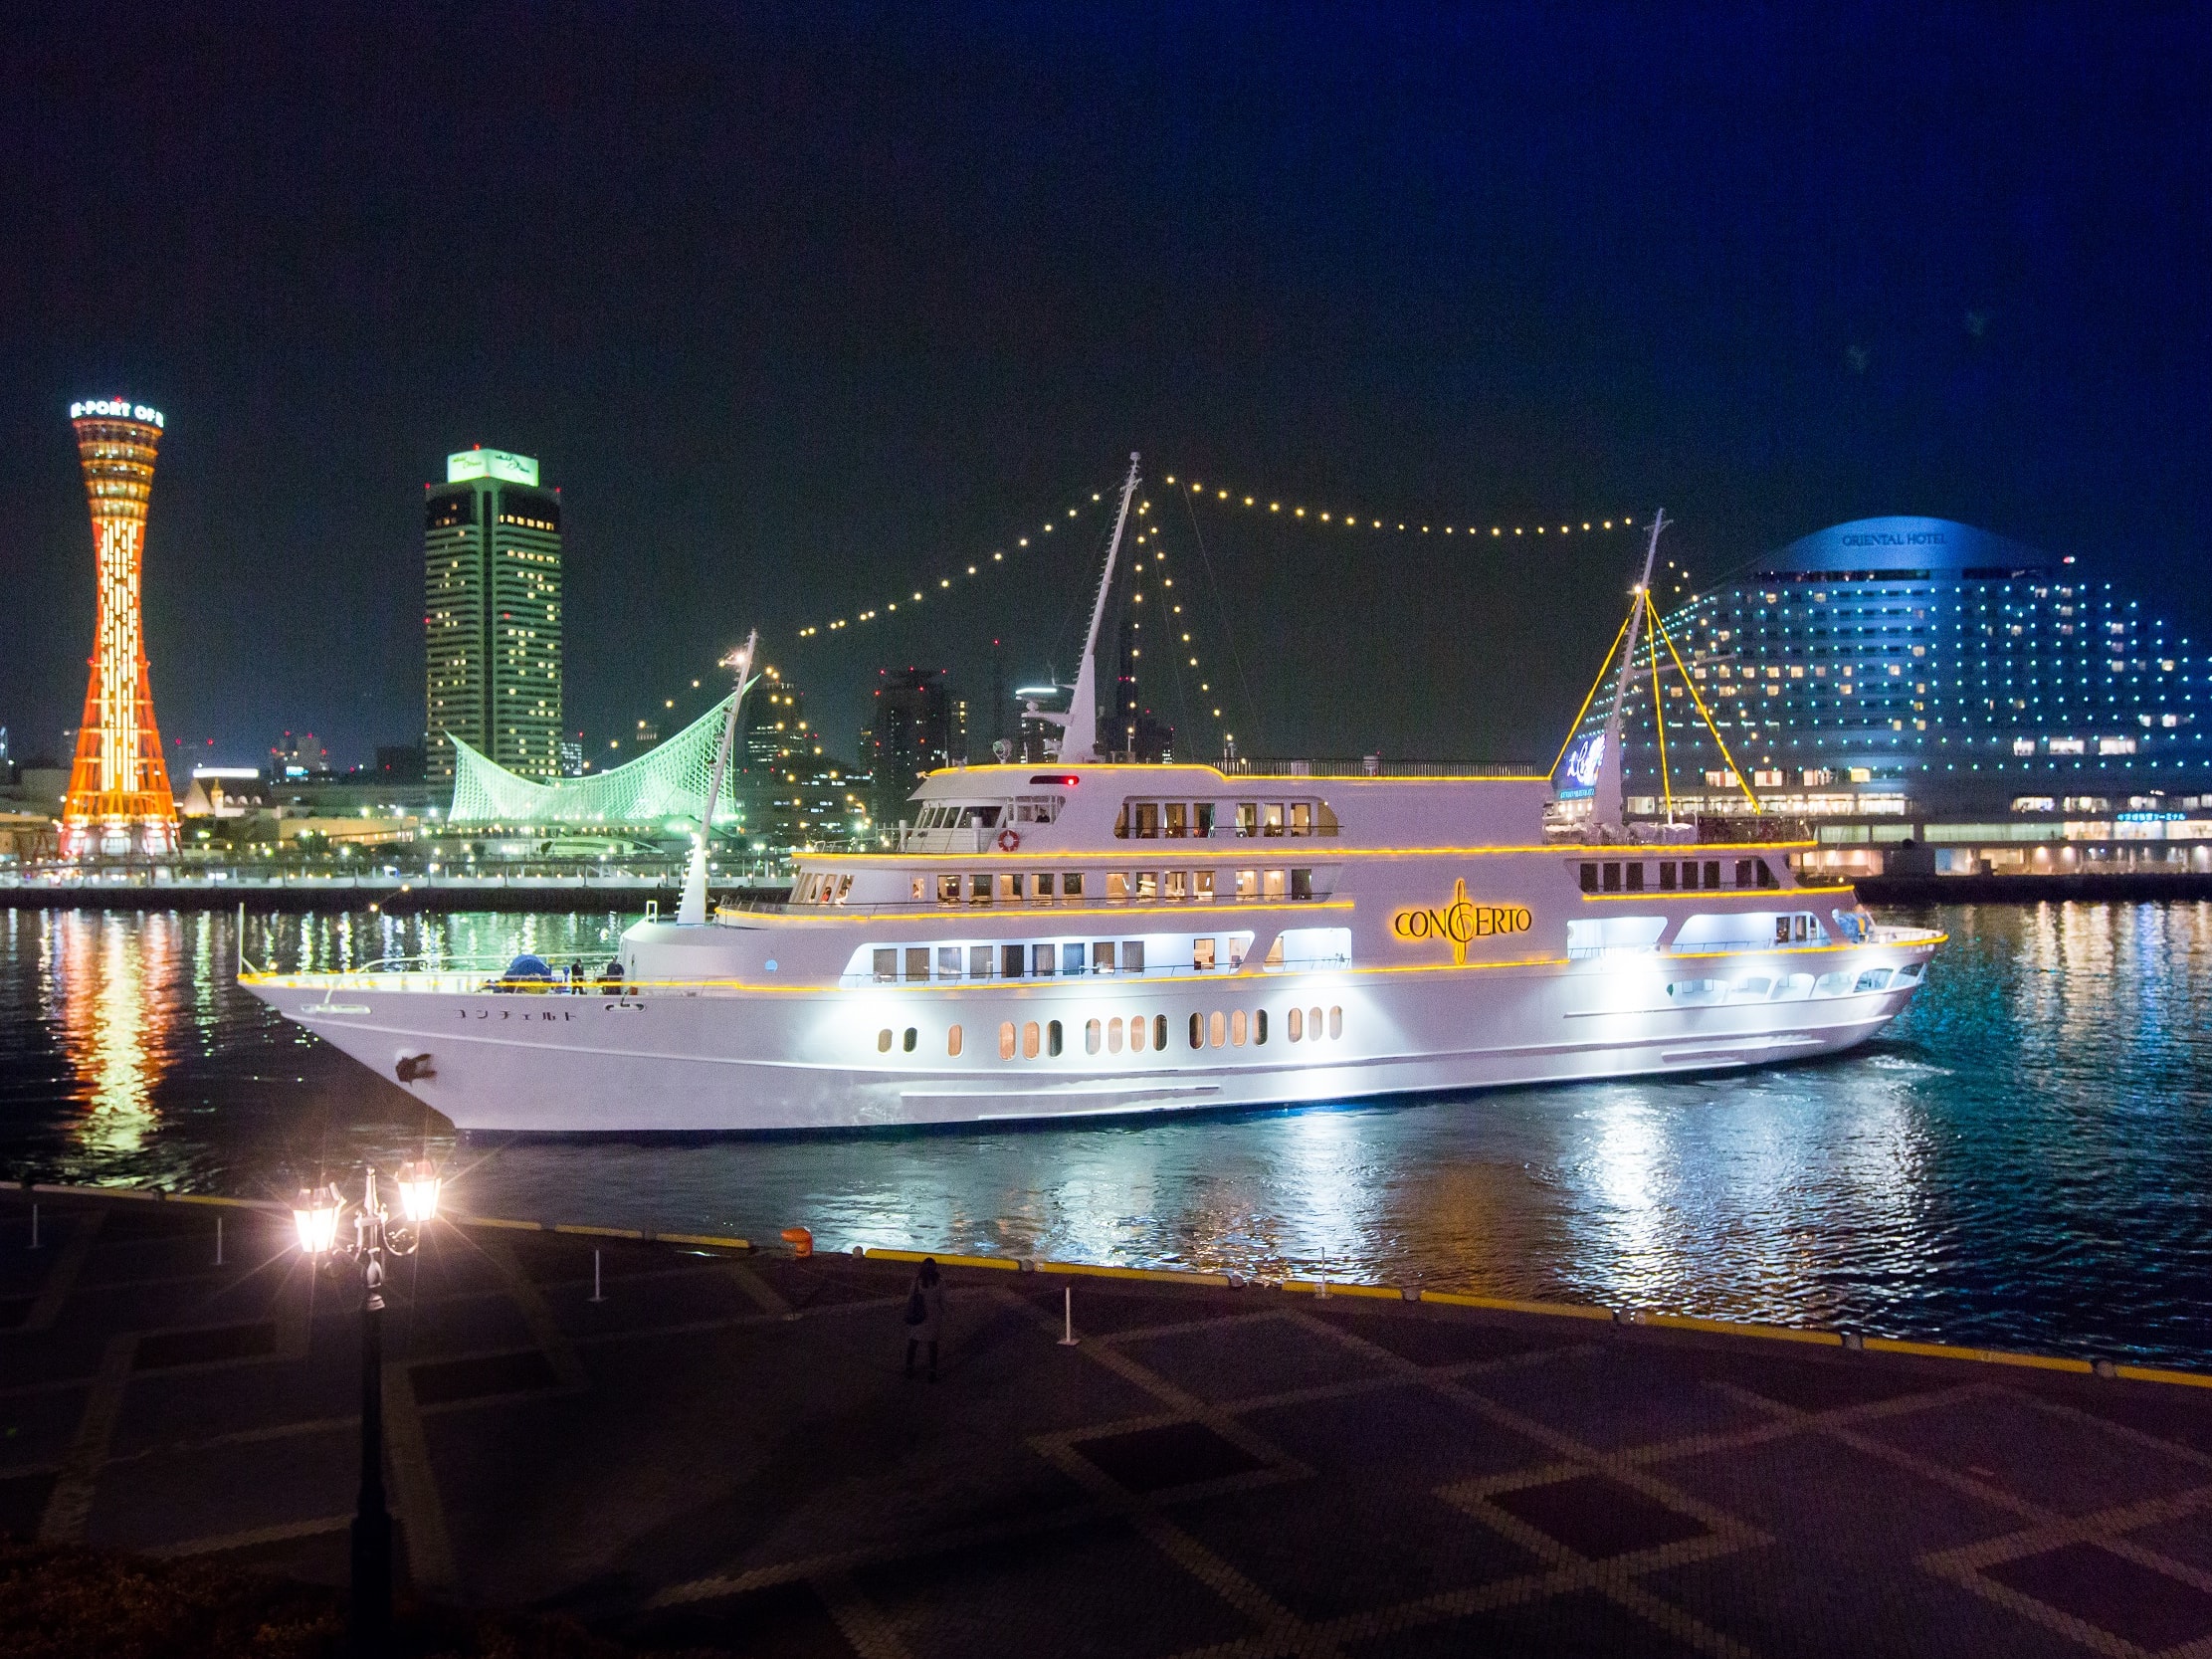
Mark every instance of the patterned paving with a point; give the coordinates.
(723, 1453)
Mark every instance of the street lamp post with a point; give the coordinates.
(317, 1213)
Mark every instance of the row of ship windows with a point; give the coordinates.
(1043, 887)
(918, 964)
(1793, 987)
(1685, 875)
(1151, 821)
(1219, 1029)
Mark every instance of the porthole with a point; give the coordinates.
(1336, 1022)
(1312, 1025)
(1006, 1041)
(1092, 1034)
(952, 1041)
(1218, 1028)
(1259, 1027)
(1113, 1037)
(1159, 1031)
(1236, 1028)
(1029, 1040)
(1136, 1035)
(1198, 1031)
(1296, 1024)
(883, 1041)
(1052, 1039)
(908, 1041)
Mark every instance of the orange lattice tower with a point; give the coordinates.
(118, 789)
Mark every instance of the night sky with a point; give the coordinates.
(804, 307)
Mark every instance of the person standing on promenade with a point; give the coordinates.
(926, 1314)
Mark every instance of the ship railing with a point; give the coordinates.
(957, 838)
(436, 971)
(1375, 766)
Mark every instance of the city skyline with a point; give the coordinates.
(1466, 266)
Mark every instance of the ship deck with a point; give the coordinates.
(724, 1454)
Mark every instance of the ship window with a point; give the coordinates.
(1176, 884)
(886, 966)
(1010, 889)
(1247, 884)
(1012, 961)
(917, 962)
(948, 961)
(1202, 886)
(1667, 876)
(1159, 1031)
(1202, 819)
(1259, 1027)
(952, 1042)
(1612, 878)
(1041, 960)
(1070, 884)
(1044, 887)
(1766, 875)
(1742, 872)
(1589, 877)
(1175, 821)
(1132, 955)
(1248, 819)
(1833, 985)
(883, 1041)
(1302, 884)
(1093, 1035)
(1273, 957)
(1029, 1040)
(1118, 883)
(1217, 1028)
(1271, 818)
(1113, 1035)
(1202, 955)
(1147, 820)
(1301, 817)
(979, 818)
(1052, 1039)
(1296, 1024)
(1874, 979)
(1198, 1031)
(1102, 956)
(1312, 1025)
(1136, 1035)
(979, 961)
(908, 1041)
(1336, 1022)
(1006, 1040)
(1071, 958)
(1712, 872)
(1271, 884)
(1781, 929)
(948, 890)
(1236, 1028)
(1635, 875)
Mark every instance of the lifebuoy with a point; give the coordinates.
(1009, 840)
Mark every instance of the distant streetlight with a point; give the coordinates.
(317, 1214)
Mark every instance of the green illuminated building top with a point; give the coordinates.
(491, 615)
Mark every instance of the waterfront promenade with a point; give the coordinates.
(724, 1454)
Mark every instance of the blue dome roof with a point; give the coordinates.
(1868, 547)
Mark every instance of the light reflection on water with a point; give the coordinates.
(2019, 1161)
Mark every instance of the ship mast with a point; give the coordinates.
(694, 908)
(1610, 804)
(1079, 727)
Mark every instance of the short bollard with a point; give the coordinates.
(597, 1294)
(800, 1240)
(1068, 1315)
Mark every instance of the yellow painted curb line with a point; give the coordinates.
(1006, 1263)
(1154, 1275)
(494, 1221)
(2155, 1373)
(595, 1232)
(1990, 1356)
(1557, 1309)
(1336, 1287)
(1730, 1327)
(703, 1238)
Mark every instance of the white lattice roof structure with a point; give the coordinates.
(667, 782)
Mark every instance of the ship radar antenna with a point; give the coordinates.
(1610, 805)
(1078, 727)
(693, 909)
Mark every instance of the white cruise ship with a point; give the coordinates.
(1080, 937)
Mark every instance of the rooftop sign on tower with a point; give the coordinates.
(491, 463)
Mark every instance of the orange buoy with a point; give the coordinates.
(800, 1240)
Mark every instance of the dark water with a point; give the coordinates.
(2019, 1163)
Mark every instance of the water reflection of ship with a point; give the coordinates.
(108, 985)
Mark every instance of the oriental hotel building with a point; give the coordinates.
(1896, 681)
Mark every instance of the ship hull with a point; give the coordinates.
(832, 1059)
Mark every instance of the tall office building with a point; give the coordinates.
(912, 735)
(492, 614)
(119, 799)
